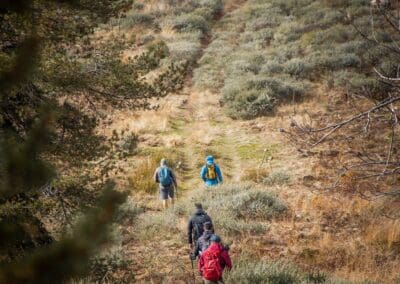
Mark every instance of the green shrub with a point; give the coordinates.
(158, 224)
(237, 208)
(128, 211)
(245, 102)
(137, 19)
(357, 47)
(258, 96)
(272, 67)
(247, 271)
(207, 78)
(359, 84)
(332, 61)
(204, 12)
(390, 68)
(277, 178)
(316, 277)
(332, 17)
(216, 6)
(184, 50)
(335, 34)
(191, 23)
(103, 267)
(298, 67)
(287, 32)
(257, 24)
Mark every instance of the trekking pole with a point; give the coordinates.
(191, 256)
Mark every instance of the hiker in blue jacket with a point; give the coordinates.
(211, 173)
(167, 180)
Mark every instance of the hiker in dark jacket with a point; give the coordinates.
(204, 241)
(165, 177)
(195, 225)
(212, 273)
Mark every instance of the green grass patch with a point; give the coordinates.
(256, 151)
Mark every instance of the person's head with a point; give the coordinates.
(207, 226)
(198, 206)
(215, 239)
(210, 160)
(163, 162)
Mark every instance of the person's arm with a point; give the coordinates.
(203, 173)
(173, 177)
(226, 259)
(219, 173)
(155, 176)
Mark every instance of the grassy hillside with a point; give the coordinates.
(279, 51)
(259, 59)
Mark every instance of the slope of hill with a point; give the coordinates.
(251, 63)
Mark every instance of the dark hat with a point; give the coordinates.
(198, 205)
(207, 225)
(215, 238)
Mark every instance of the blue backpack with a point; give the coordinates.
(164, 176)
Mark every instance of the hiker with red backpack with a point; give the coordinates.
(213, 261)
(195, 226)
(167, 180)
(211, 173)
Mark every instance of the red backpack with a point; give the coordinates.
(212, 269)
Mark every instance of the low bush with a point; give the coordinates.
(333, 61)
(271, 67)
(184, 50)
(247, 271)
(287, 32)
(276, 178)
(254, 174)
(237, 208)
(355, 83)
(216, 6)
(258, 95)
(128, 211)
(103, 268)
(333, 35)
(298, 67)
(247, 104)
(158, 224)
(191, 23)
(137, 19)
(209, 9)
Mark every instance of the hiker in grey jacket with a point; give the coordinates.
(165, 177)
(195, 225)
(204, 241)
